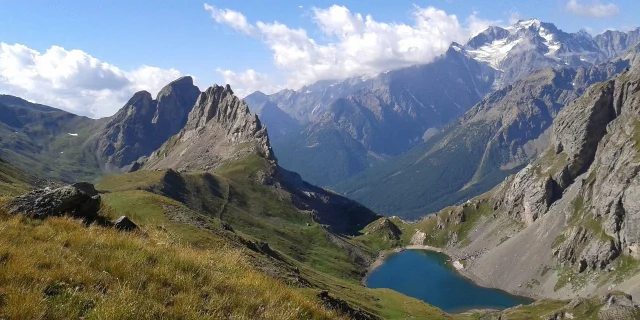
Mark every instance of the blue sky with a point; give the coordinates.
(127, 45)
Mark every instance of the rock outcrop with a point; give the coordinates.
(219, 129)
(144, 124)
(79, 200)
(385, 229)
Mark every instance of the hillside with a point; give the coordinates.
(46, 141)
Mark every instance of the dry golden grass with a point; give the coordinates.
(60, 269)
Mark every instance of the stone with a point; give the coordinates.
(124, 224)
(79, 200)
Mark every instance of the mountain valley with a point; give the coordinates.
(509, 164)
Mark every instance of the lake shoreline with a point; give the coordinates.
(460, 270)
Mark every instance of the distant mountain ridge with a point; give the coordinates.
(495, 138)
(359, 121)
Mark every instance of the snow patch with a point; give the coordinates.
(494, 52)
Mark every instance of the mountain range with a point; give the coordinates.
(347, 126)
(516, 154)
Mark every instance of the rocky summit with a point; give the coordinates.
(220, 128)
(144, 124)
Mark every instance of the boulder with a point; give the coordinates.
(618, 305)
(124, 224)
(80, 200)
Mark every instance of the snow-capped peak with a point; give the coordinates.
(527, 23)
(495, 44)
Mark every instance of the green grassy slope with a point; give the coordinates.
(37, 139)
(187, 205)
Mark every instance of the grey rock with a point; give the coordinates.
(527, 197)
(79, 200)
(144, 124)
(579, 128)
(219, 129)
(618, 306)
(124, 224)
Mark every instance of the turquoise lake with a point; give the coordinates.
(428, 276)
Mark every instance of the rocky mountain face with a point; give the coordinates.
(495, 138)
(567, 224)
(144, 124)
(62, 146)
(221, 130)
(359, 121)
(218, 129)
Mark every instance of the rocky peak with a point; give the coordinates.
(219, 128)
(143, 124)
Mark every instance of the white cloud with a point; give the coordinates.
(233, 19)
(359, 44)
(595, 9)
(249, 81)
(74, 80)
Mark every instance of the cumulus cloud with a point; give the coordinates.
(595, 9)
(249, 81)
(74, 80)
(354, 44)
(234, 19)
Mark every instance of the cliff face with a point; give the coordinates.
(219, 129)
(144, 124)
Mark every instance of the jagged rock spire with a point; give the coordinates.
(219, 128)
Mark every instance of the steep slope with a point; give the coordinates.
(565, 225)
(46, 141)
(387, 117)
(495, 138)
(58, 145)
(530, 45)
(143, 124)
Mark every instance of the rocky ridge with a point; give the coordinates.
(143, 124)
(219, 128)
